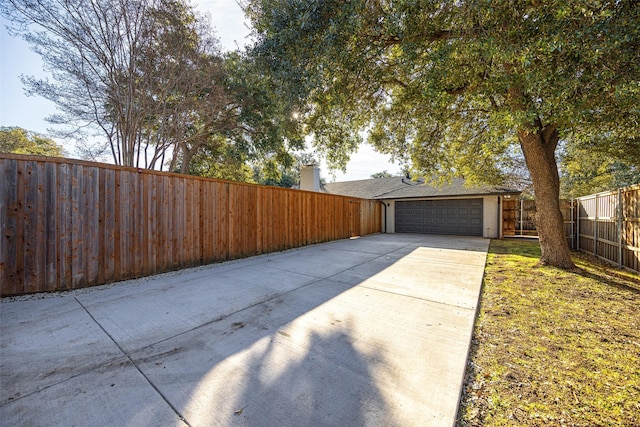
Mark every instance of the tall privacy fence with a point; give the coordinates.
(608, 225)
(69, 224)
(605, 224)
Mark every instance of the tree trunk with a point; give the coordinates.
(187, 155)
(538, 145)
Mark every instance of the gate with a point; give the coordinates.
(519, 219)
(605, 224)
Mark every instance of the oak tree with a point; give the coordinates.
(453, 86)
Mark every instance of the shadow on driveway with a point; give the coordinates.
(369, 331)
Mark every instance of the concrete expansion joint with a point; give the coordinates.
(276, 267)
(420, 299)
(133, 363)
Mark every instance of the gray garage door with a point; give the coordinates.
(460, 217)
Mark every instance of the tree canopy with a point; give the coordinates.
(148, 78)
(89, 49)
(16, 140)
(454, 86)
(587, 171)
(383, 174)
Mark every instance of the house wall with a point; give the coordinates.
(490, 215)
(391, 217)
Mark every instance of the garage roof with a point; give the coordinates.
(406, 188)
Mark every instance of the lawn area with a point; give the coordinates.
(553, 347)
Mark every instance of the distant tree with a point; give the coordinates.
(16, 140)
(516, 174)
(587, 171)
(268, 128)
(220, 158)
(181, 96)
(383, 174)
(453, 86)
(89, 47)
(256, 128)
(149, 77)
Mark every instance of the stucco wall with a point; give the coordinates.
(391, 218)
(490, 217)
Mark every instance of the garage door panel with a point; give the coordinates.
(456, 217)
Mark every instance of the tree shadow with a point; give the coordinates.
(288, 361)
(332, 384)
(609, 278)
(282, 356)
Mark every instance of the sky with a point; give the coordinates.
(227, 18)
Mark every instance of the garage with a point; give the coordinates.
(414, 206)
(462, 217)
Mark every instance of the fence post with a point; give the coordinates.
(620, 240)
(578, 224)
(595, 229)
(573, 228)
(521, 215)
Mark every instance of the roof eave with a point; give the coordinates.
(440, 196)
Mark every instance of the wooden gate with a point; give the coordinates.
(606, 224)
(519, 218)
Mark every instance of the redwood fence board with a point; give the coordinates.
(69, 224)
(9, 220)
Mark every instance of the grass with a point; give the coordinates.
(553, 347)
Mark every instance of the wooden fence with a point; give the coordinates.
(69, 224)
(519, 218)
(604, 224)
(608, 226)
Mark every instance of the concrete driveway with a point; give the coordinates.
(363, 332)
